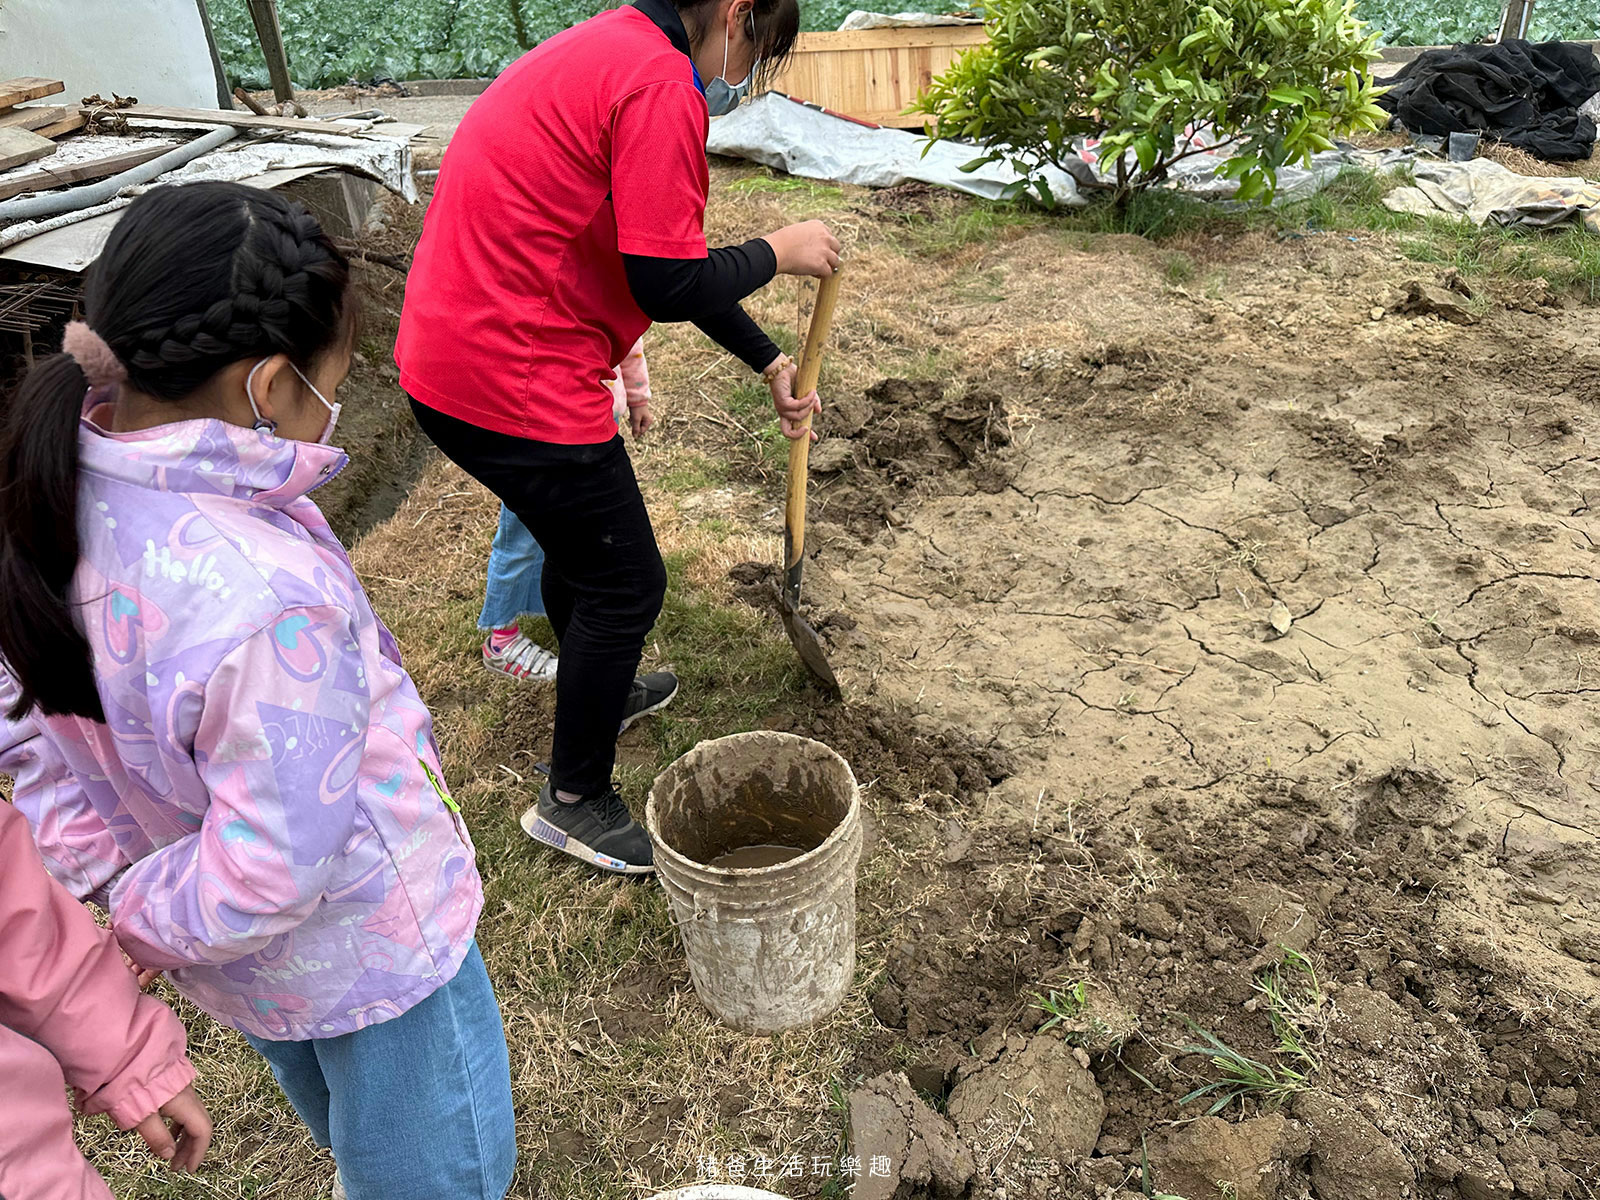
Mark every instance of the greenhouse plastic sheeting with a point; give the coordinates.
(778, 132)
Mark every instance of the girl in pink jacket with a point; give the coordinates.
(213, 730)
(71, 1013)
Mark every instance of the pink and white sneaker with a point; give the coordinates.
(521, 659)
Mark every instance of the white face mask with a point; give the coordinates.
(723, 97)
(272, 426)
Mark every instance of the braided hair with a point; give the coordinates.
(192, 280)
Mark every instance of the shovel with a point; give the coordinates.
(804, 638)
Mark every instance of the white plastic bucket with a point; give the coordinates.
(769, 948)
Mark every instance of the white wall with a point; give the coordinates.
(153, 49)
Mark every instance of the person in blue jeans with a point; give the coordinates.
(513, 588)
(447, 1057)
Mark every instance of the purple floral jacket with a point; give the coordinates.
(264, 807)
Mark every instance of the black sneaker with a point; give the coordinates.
(651, 693)
(599, 830)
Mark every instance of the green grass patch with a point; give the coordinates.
(695, 474)
(790, 186)
(936, 362)
(1178, 268)
(750, 403)
(1568, 259)
(1061, 1005)
(735, 664)
(971, 221)
(1292, 996)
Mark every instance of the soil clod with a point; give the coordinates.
(927, 1159)
(1425, 299)
(1039, 1093)
(1350, 1158)
(1250, 1160)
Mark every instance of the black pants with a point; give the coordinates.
(603, 576)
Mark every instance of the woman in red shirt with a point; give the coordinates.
(569, 214)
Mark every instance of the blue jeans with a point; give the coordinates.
(516, 575)
(417, 1108)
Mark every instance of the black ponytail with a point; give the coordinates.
(44, 649)
(192, 280)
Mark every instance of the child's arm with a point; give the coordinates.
(63, 984)
(77, 848)
(281, 740)
(635, 376)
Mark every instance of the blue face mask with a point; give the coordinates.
(723, 97)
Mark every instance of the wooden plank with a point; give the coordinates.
(891, 39)
(239, 120)
(42, 179)
(33, 116)
(19, 146)
(250, 102)
(29, 87)
(874, 74)
(265, 15)
(891, 118)
(67, 124)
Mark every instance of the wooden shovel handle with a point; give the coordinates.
(794, 525)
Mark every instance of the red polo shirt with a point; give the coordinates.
(590, 146)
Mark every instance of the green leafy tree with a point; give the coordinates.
(1275, 80)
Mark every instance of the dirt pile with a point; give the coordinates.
(1435, 1047)
(1286, 618)
(900, 440)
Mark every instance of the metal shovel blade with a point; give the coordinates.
(808, 645)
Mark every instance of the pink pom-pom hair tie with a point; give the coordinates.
(98, 361)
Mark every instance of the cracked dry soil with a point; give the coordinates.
(1077, 560)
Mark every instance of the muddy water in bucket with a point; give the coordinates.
(757, 839)
(756, 856)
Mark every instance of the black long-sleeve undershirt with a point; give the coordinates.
(706, 291)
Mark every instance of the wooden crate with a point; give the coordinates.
(874, 74)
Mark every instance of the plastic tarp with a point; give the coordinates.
(1198, 176)
(378, 155)
(1484, 191)
(806, 141)
(902, 20)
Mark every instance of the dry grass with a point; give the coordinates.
(1524, 163)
